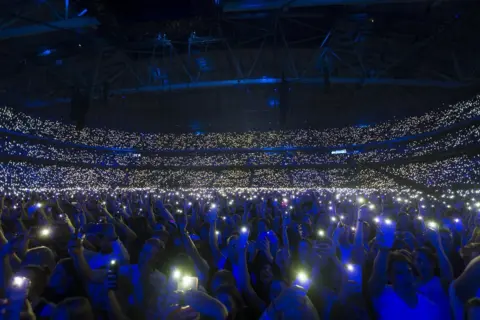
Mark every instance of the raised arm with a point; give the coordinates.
(378, 279)
(212, 239)
(243, 278)
(446, 270)
(467, 284)
(200, 263)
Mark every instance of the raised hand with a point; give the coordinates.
(182, 222)
(363, 212)
(75, 246)
(212, 214)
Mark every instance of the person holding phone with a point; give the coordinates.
(111, 248)
(426, 261)
(400, 300)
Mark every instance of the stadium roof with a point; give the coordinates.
(182, 65)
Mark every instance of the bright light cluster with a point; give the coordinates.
(458, 171)
(29, 148)
(19, 175)
(460, 138)
(20, 122)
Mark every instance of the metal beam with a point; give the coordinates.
(245, 6)
(265, 80)
(74, 23)
(260, 81)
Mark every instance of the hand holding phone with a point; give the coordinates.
(212, 215)
(112, 275)
(243, 238)
(187, 283)
(386, 234)
(18, 290)
(302, 281)
(355, 277)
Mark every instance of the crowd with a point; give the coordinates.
(21, 175)
(464, 137)
(219, 254)
(12, 120)
(154, 233)
(458, 171)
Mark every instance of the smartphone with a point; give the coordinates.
(302, 281)
(44, 232)
(432, 225)
(354, 272)
(187, 283)
(74, 203)
(20, 282)
(112, 274)
(354, 277)
(243, 238)
(19, 287)
(102, 219)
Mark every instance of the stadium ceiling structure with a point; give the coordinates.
(49, 47)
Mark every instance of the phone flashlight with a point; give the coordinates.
(103, 203)
(333, 219)
(350, 267)
(302, 277)
(19, 282)
(188, 283)
(213, 206)
(176, 274)
(456, 220)
(419, 217)
(432, 225)
(371, 206)
(361, 200)
(342, 217)
(376, 220)
(112, 274)
(302, 281)
(217, 232)
(244, 230)
(38, 205)
(224, 218)
(45, 232)
(388, 222)
(321, 233)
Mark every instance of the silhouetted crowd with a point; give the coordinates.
(314, 254)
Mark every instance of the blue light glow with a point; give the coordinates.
(45, 53)
(273, 103)
(84, 11)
